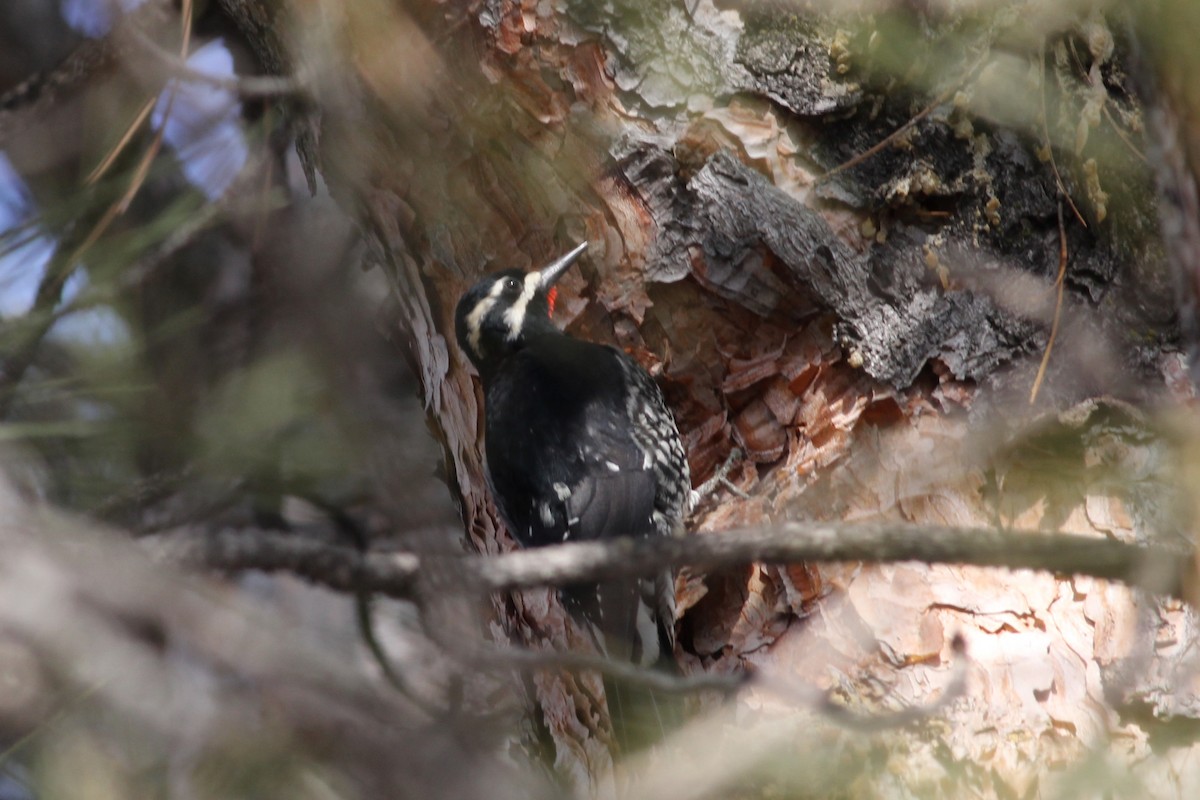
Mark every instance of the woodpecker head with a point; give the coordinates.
(496, 315)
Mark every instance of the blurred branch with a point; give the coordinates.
(110, 628)
(25, 105)
(335, 566)
(32, 328)
(1060, 286)
(114, 153)
(245, 86)
(494, 658)
(1049, 145)
(1151, 567)
(147, 159)
(21, 336)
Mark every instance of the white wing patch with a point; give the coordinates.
(514, 316)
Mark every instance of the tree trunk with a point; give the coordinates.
(909, 263)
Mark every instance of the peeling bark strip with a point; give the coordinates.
(768, 252)
(1153, 568)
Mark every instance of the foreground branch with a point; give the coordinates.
(495, 658)
(338, 567)
(1151, 567)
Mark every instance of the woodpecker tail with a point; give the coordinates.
(635, 622)
(641, 716)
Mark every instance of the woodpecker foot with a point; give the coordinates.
(720, 478)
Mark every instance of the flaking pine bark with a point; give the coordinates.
(910, 265)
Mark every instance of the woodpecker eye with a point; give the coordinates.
(512, 286)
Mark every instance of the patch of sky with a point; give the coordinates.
(93, 326)
(24, 252)
(204, 126)
(24, 249)
(94, 18)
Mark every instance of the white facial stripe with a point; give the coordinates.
(475, 318)
(515, 316)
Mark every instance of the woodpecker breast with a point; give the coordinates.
(580, 446)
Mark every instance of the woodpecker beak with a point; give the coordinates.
(553, 272)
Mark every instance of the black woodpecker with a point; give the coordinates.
(580, 447)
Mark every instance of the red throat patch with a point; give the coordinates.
(552, 298)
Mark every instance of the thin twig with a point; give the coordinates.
(1121, 135)
(896, 134)
(245, 86)
(143, 167)
(1062, 188)
(366, 626)
(122, 143)
(1060, 283)
(48, 309)
(42, 317)
(721, 478)
(1086, 75)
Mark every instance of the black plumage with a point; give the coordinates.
(580, 446)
